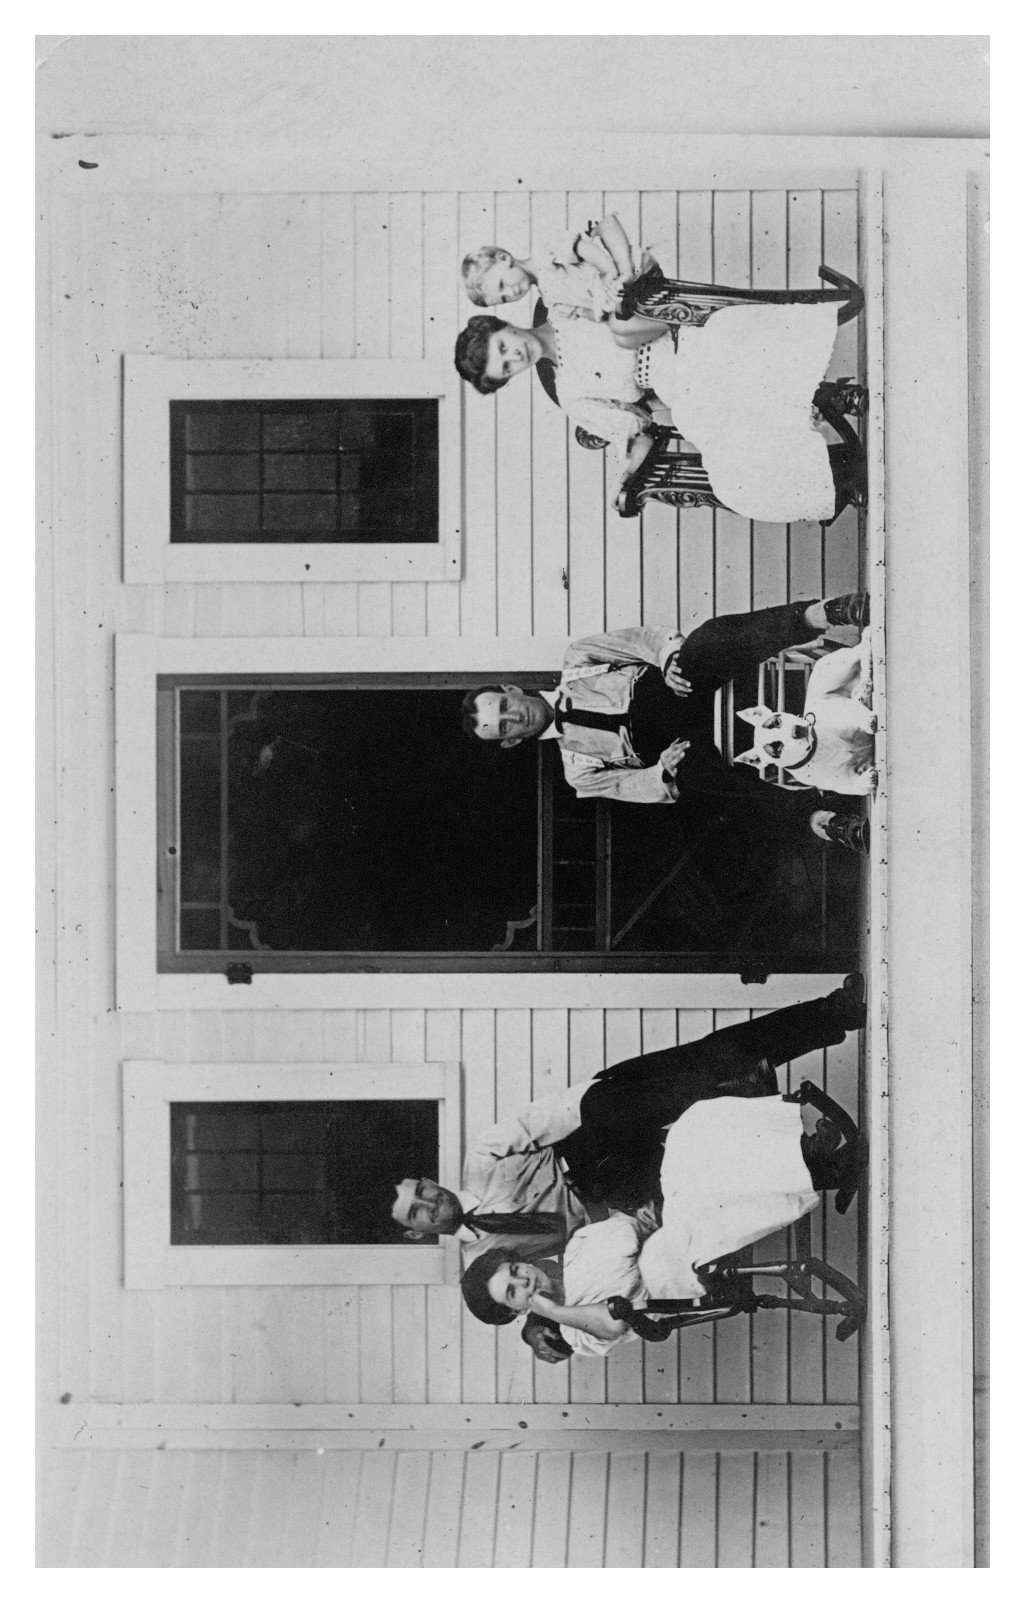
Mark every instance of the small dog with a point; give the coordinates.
(831, 745)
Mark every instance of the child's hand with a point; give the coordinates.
(608, 295)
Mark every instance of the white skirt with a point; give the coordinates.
(732, 1173)
(741, 388)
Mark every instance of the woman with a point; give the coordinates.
(734, 1171)
(741, 387)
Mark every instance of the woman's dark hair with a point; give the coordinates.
(474, 1285)
(472, 353)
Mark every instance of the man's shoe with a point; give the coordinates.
(848, 830)
(847, 1005)
(854, 609)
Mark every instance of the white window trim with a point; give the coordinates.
(140, 658)
(149, 1088)
(152, 382)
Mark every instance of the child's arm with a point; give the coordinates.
(612, 235)
(637, 330)
(590, 249)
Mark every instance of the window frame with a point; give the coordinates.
(149, 1088)
(152, 382)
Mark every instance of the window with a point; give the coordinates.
(250, 1174)
(293, 1173)
(298, 471)
(349, 823)
(264, 472)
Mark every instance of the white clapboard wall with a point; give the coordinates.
(415, 1509)
(375, 275)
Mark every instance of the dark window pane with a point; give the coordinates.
(213, 1130)
(350, 472)
(268, 471)
(298, 431)
(199, 821)
(337, 1190)
(349, 513)
(357, 426)
(224, 515)
(303, 473)
(329, 850)
(225, 474)
(199, 711)
(221, 1218)
(199, 929)
(230, 1170)
(221, 428)
(293, 513)
(297, 1127)
(284, 1171)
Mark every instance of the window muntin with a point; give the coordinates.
(346, 471)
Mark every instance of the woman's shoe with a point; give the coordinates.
(851, 397)
(843, 609)
(848, 830)
(850, 479)
(841, 1169)
(846, 1006)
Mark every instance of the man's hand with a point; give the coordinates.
(675, 679)
(673, 755)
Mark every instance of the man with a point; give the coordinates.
(563, 1161)
(633, 712)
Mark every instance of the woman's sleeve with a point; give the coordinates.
(608, 419)
(587, 1345)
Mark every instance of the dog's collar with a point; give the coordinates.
(813, 741)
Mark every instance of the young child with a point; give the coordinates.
(581, 272)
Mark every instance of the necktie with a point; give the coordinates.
(612, 722)
(516, 1223)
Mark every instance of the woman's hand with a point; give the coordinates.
(675, 679)
(544, 1306)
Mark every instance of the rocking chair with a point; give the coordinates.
(685, 304)
(667, 475)
(728, 1283)
(772, 691)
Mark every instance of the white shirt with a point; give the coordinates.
(599, 675)
(512, 1168)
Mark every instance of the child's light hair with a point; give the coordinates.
(475, 265)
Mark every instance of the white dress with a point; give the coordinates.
(739, 388)
(733, 1173)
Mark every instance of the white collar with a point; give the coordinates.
(551, 697)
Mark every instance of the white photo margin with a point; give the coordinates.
(152, 382)
(149, 1088)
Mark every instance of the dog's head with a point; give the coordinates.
(782, 739)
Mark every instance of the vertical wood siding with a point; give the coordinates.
(226, 1509)
(373, 275)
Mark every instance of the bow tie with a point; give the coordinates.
(565, 713)
(515, 1223)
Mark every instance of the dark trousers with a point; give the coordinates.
(616, 1155)
(711, 656)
